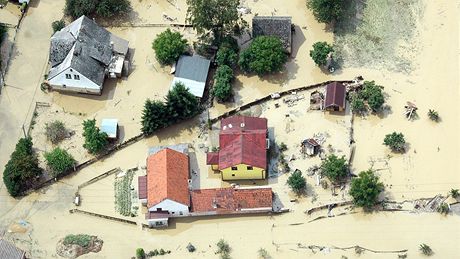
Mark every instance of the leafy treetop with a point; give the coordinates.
(395, 141)
(335, 168)
(326, 11)
(365, 189)
(265, 55)
(95, 140)
(320, 52)
(297, 182)
(169, 46)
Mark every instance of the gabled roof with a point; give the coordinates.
(192, 71)
(279, 26)
(9, 251)
(242, 140)
(167, 177)
(86, 47)
(231, 200)
(335, 95)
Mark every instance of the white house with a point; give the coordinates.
(82, 54)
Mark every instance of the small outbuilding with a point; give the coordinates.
(335, 97)
(310, 147)
(110, 126)
(279, 26)
(192, 71)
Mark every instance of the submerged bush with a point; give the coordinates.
(55, 131)
(82, 240)
(59, 161)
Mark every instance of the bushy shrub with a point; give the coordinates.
(426, 249)
(59, 161)
(140, 253)
(297, 182)
(82, 240)
(358, 105)
(320, 52)
(433, 115)
(22, 168)
(365, 189)
(226, 56)
(395, 141)
(265, 55)
(95, 140)
(223, 249)
(55, 131)
(222, 83)
(334, 168)
(169, 46)
(58, 25)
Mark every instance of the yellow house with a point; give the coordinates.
(243, 149)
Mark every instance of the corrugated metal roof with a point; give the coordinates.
(9, 251)
(192, 71)
(279, 26)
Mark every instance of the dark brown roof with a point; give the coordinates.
(142, 186)
(212, 158)
(335, 95)
(279, 26)
(231, 200)
(9, 251)
(311, 142)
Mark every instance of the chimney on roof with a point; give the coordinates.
(230, 126)
(214, 203)
(111, 45)
(242, 125)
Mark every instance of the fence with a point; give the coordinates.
(99, 177)
(103, 216)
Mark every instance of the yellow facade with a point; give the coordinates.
(243, 172)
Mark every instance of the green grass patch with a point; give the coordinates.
(82, 240)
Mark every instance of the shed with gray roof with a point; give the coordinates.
(82, 54)
(192, 71)
(279, 26)
(9, 251)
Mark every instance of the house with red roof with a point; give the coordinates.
(166, 192)
(165, 188)
(243, 145)
(335, 97)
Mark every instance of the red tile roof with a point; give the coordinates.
(212, 158)
(231, 200)
(167, 177)
(335, 95)
(243, 140)
(142, 186)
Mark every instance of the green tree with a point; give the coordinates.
(365, 189)
(373, 95)
(222, 83)
(326, 11)
(320, 52)
(140, 253)
(95, 140)
(22, 169)
(58, 25)
(219, 17)
(108, 8)
(104, 8)
(181, 104)
(169, 46)
(226, 56)
(223, 249)
(297, 182)
(59, 161)
(265, 55)
(395, 141)
(335, 168)
(358, 105)
(154, 116)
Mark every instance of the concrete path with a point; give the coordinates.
(25, 73)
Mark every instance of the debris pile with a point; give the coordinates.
(411, 111)
(293, 98)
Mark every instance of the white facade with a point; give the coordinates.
(71, 80)
(173, 208)
(158, 222)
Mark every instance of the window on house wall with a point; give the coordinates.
(159, 209)
(76, 77)
(249, 167)
(233, 174)
(234, 168)
(68, 76)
